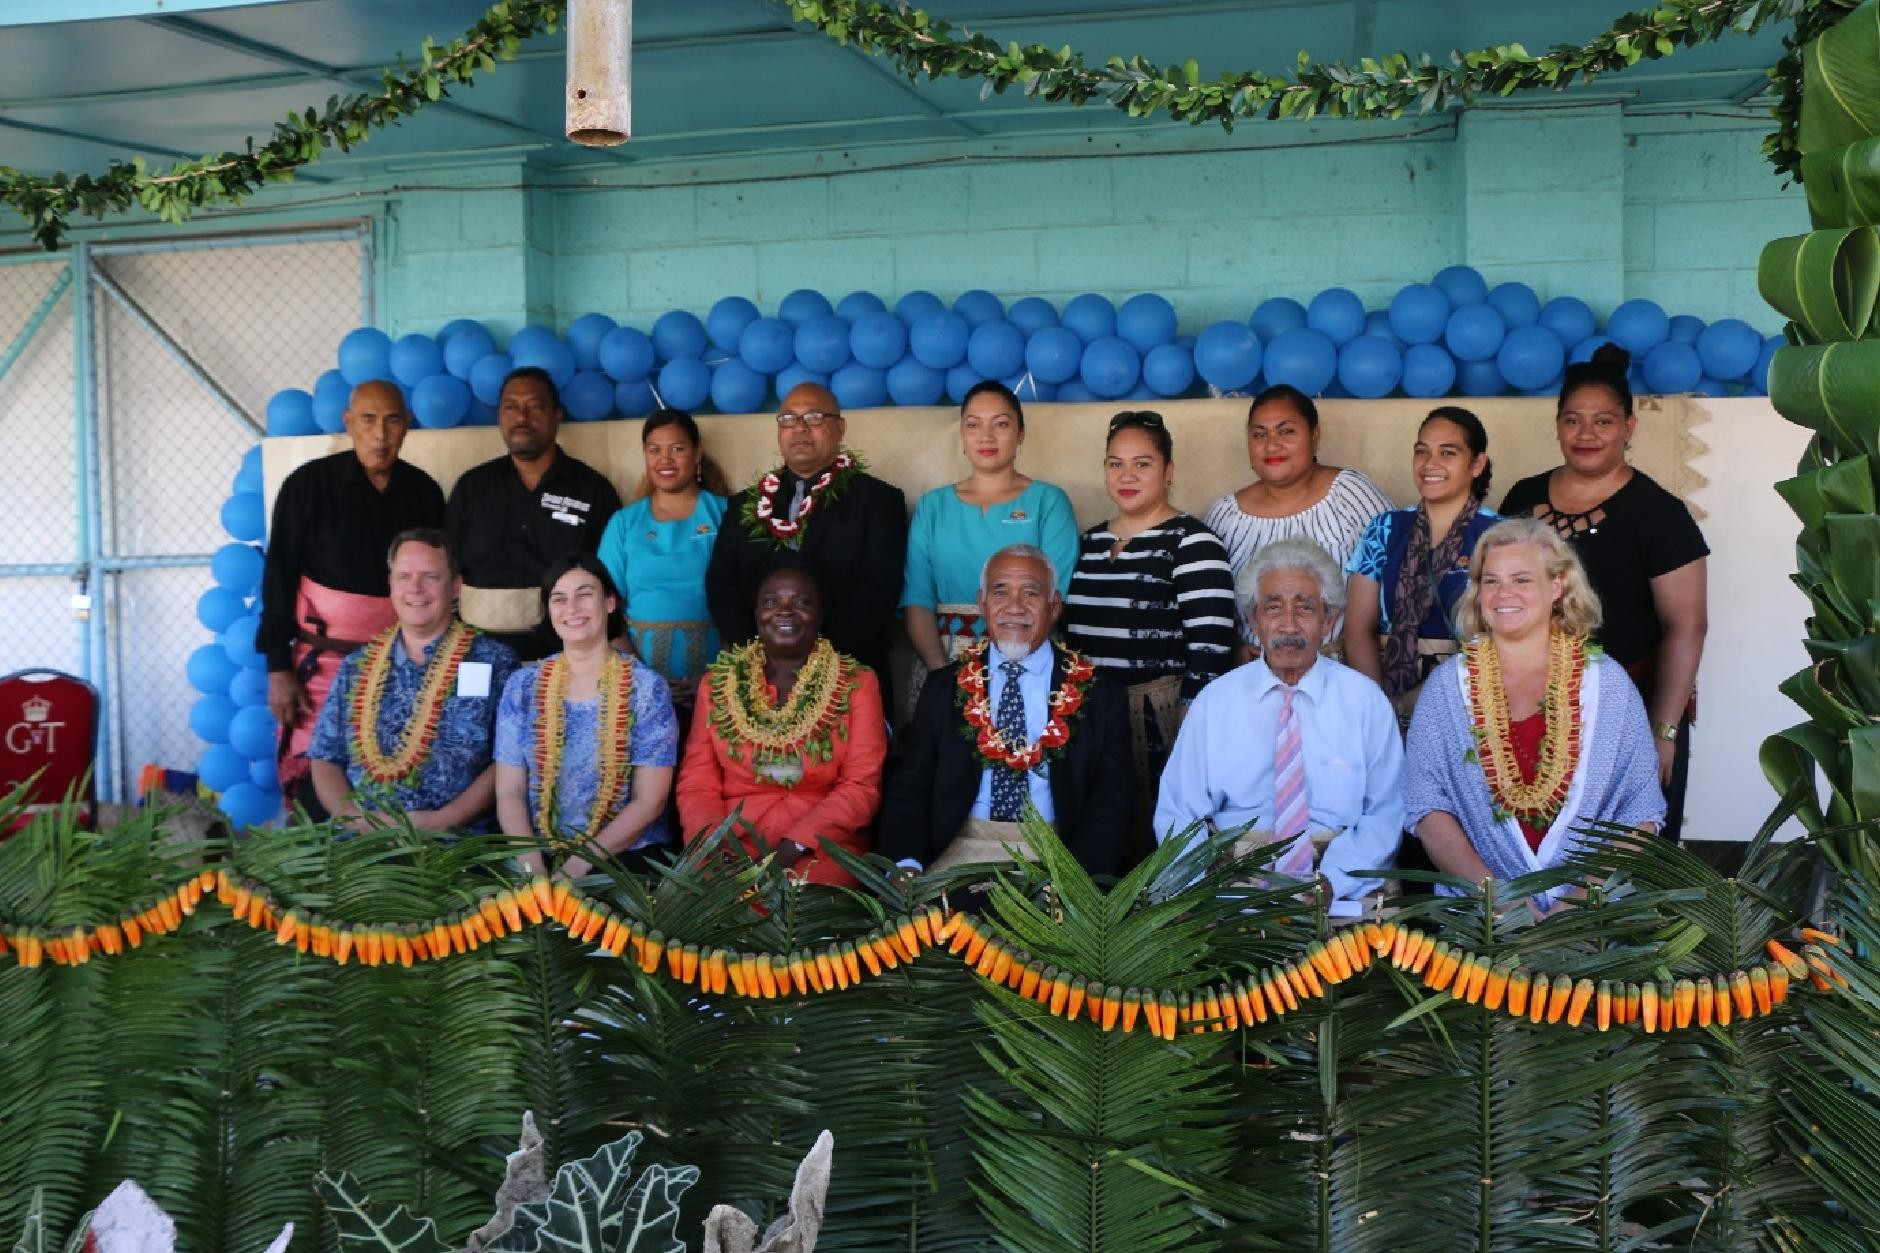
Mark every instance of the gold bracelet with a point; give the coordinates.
(1665, 730)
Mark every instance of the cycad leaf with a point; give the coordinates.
(358, 1224)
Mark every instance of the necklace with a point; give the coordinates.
(766, 518)
(1536, 803)
(805, 725)
(613, 737)
(989, 743)
(414, 743)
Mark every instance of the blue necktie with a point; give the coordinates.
(1008, 785)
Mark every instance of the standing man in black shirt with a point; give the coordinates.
(822, 512)
(324, 589)
(509, 518)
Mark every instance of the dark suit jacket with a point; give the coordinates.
(1093, 784)
(855, 546)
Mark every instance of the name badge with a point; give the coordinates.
(473, 678)
(569, 518)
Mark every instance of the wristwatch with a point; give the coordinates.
(1665, 730)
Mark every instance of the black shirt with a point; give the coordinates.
(1636, 534)
(333, 526)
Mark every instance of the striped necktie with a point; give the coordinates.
(1291, 811)
(1009, 786)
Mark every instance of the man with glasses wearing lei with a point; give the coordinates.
(411, 717)
(821, 511)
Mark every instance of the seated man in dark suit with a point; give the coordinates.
(821, 512)
(1017, 717)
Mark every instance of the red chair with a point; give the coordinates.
(49, 728)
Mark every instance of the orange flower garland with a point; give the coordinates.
(1535, 803)
(614, 732)
(414, 744)
(991, 745)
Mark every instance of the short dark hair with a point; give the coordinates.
(537, 373)
(1474, 435)
(430, 537)
(1150, 423)
(588, 562)
(993, 387)
(1607, 369)
(1301, 403)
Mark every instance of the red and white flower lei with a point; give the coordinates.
(991, 745)
(762, 510)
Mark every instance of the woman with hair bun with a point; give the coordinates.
(1412, 565)
(1641, 549)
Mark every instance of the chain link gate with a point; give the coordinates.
(133, 378)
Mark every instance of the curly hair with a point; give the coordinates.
(1577, 611)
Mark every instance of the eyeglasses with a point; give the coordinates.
(1136, 417)
(813, 419)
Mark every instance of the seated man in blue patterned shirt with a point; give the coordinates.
(410, 720)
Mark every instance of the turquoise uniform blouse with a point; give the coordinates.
(950, 540)
(659, 568)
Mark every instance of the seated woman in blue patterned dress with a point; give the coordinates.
(586, 741)
(1412, 565)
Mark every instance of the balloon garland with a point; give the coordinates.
(1272, 993)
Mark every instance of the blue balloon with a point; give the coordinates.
(265, 775)
(1025, 387)
(1146, 321)
(1273, 318)
(210, 668)
(540, 347)
(1671, 368)
(1684, 329)
(938, 340)
(463, 350)
(1480, 378)
(1074, 392)
(246, 805)
(1568, 317)
(248, 686)
(1729, 348)
(455, 327)
(1091, 316)
(796, 374)
(822, 343)
(290, 412)
(1428, 371)
(878, 339)
(482, 414)
(685, 383)
(1530, 357)
(589, 396)
(1377, 322)
(1474, 333)
(487, 375)
(238, 637)
(1714, 388)
(220, 767)
(1031, 314)
(415, 357)
(1110, 367)
(365, 354)
(1228, 356)
(767, 345)
(727, 319)
(979, 307)
(1584, 350)
(803, 304)
(1302, 357)
(916, 305)
(859, 386)
(1054, 354)
(1370, 367)
(585, 334)
(1462, 284)
(996, 349)
(961, 379)
(209, 717)
(248, 473)
(1168, 370)
(635, 399)
(678, 336)
(626, 355)
(911, 383)
(443, 400)
(331, 394)
(859, 304)
(244, 517)
(1337, 314)
(1759, 377)
(1419, 313)
(1638, 326)
(218, 607)
(237, 567)
(1517, 304)
(737, 388)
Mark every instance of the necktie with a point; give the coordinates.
(1008, 785)
(1290, 809)
(796, 499)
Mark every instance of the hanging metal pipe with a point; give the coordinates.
(600, 72)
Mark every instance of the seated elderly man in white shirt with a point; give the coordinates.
(1294, 743)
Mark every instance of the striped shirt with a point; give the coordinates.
(1163, 605)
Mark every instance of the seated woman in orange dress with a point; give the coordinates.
(789, 737)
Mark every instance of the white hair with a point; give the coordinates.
(1030, 552)
(1297, 553)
